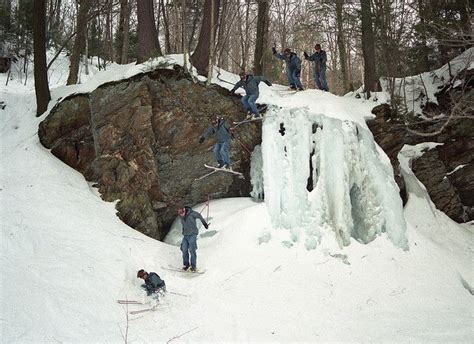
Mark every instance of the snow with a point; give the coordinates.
(66, 257)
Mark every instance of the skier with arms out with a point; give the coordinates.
(223, 135)
(190, 231)
(250, 83)
(293, 67)
(319, 58)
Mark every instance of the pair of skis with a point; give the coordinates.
(140, 303)
(217, 169)
(134, 302)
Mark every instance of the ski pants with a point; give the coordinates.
(248, 102)
(320, 79)
(293, 76)
(189, 246)
(221, 153)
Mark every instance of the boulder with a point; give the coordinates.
(137, 140)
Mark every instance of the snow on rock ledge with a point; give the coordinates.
(322, 173)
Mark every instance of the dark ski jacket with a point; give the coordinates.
(319, 60)
(250, 84)
(189, 221)
(293, 62)
(221, 131)
(153, 282)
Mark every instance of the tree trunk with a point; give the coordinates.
(123, 36)
(43, 95)
(79, 41)
(166, 27)
(211, 45)
(200, 57)
(424, 61)
(261, 44)
(368, 48)
(148, 44)
(341, 46)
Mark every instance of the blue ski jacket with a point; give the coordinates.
(153, 282)
(188, 221)
(319, 60)
(250, 84)
(221, 131)
(293, 62)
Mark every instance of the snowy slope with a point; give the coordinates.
(66, 259)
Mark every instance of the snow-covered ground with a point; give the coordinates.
(66, 258)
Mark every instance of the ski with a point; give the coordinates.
(214, 171)
(225, 170)
(143, 310)
(236, 124)
(187, 272)
(130, 302)
(287, 93)
(206, 175)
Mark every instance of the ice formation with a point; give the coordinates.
(325, 173)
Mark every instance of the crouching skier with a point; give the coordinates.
(153, 282)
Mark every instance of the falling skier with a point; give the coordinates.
(250, 83)
(219, 128)
(190, 231)
(293, 67)
(153, 282)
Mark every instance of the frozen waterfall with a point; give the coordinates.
(321, 174)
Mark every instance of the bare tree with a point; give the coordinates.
(43, 95)
(260, 58)
(368, 47)
(123, 34)
(79, 43)
(149, 45)
(341, 46)
(200, 57)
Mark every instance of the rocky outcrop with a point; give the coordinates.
(447, 171)
(137, 139)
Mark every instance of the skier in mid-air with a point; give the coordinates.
(250, 83)
(223, 135)
(190, 232)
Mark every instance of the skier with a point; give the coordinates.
(190, 231)
(319, 58)
(250, 83)
(219, 128)
(293, 67)
(153, 282)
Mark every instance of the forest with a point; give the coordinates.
(364, 40)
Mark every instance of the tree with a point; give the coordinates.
(261, 43)
(80, 41)
(43, 95)
(202, 53)
(341, 46)
(123, 35)
(148, 44)
(368, 47)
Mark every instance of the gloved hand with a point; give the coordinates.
(201, 139)
(206, 225)
(305, 55)
(268, 83)
(274, 51)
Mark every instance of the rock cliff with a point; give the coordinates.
(137, 141)
(447, 171)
